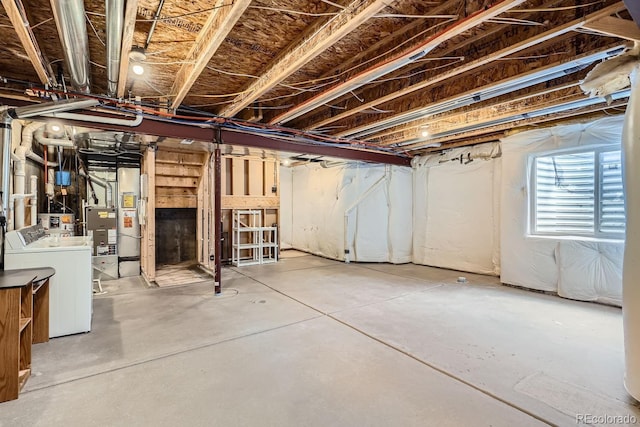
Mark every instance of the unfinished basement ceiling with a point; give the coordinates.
(408, 76)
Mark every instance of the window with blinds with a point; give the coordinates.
(578, 194)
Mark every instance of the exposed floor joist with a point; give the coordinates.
(16, 13)
(615, 27)
(510, 121)
(396, 62)
(128, 28)
(312, 44)
(220, 23)
(483, 93)
(502, 53)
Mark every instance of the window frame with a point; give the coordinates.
(596, 235)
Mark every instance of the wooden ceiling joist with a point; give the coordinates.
(17, 16)
(563, 99)
(475, 137)
(615, 27)
(398, 61)
(491, 90)
(221, 21)
(129, 25)
(502, 53)
(312, 44)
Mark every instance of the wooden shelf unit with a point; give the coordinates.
(16, 305)
(24, 320)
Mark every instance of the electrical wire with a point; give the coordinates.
(294, 12)
(399, 15)
(41, 23)
(554, 9)
(513, 21)
(94, 29)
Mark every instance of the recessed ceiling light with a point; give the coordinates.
(425, 133)
(55, 128)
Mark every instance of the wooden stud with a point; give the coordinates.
(128, 28)
(237, 177)
(256, 178)
(148, 260)
(17, 16)
(221, 21)
(250, 202)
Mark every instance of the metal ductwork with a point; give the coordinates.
(115, 23)
(72, 28)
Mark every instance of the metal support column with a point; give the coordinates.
(217, 217)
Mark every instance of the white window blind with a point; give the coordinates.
(578, 194)
(612, 217)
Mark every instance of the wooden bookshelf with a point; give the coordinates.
(24, 319)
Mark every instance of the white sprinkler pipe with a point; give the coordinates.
(631, 267)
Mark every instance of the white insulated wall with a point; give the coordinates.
(577, 269)
(366, 209)
(456, 210)
(470, 217)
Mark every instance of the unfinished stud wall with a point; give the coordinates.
(248, 183)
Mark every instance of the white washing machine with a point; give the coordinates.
(70, 289)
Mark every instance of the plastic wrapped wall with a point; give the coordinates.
(576, 269)
(456, 210)
(286, 194)
(365, 209)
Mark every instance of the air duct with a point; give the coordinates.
(70, 20)
(115, 22)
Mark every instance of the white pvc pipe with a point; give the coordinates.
(96, 119)
(631, 268)
(49, 190)
(52, 142)
(34, 200)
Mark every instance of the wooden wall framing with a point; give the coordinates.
(185, 180)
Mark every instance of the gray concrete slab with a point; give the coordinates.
(311, 341)
(341, 286)
(553, 357)
(133, 327)
(314, 373)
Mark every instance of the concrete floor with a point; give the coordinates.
(314, 342)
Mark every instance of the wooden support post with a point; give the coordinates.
(217, 168)
(149, 231)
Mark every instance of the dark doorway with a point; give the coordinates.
(175, 235)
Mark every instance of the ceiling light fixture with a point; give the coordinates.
(137, 69)
(137, 56)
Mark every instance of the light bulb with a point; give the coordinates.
(137, 69)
